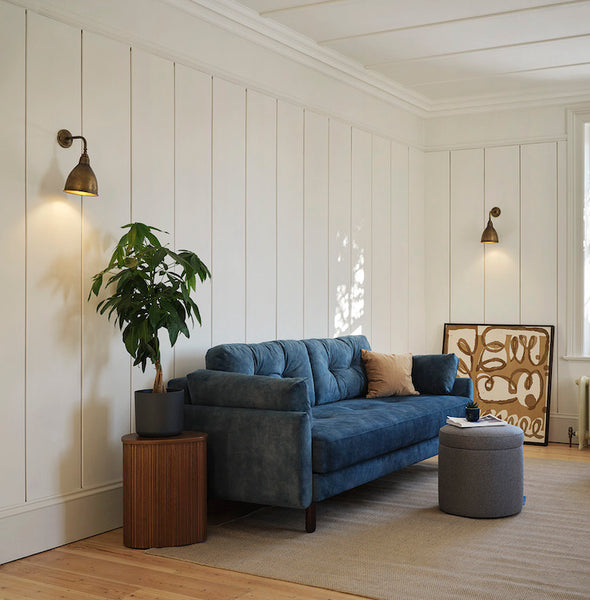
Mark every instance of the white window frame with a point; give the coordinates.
(577, 118)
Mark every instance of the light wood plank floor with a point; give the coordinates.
(101, 567)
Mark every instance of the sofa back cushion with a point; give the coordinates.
(337, 368)
(434, 373)
(280, 358)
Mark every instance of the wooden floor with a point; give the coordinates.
(101, 567)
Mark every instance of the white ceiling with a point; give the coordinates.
(453, 52)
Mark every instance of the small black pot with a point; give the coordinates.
(159, 414)
(472, 414)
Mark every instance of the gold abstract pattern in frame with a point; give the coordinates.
(510, 366)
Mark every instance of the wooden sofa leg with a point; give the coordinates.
(310, 518)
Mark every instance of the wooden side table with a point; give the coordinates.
(164, 490)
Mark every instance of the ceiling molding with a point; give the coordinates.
(495, 143)
(247, 23)
(471, 105)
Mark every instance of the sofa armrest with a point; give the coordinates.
(254, 455)
(463, 387)
(236, 390)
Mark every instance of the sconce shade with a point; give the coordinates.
(82, 180)
(489, 235)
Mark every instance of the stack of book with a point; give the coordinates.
(485, 421)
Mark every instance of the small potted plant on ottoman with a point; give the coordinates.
(472, 411)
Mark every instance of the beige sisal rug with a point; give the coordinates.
(388, 540)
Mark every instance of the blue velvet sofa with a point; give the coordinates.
(289, 424)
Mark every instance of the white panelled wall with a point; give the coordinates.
(311, 227)
(520, 279)
(312, 200)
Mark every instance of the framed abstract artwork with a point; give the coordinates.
(510, 366)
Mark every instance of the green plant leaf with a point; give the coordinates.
(96, 285)
(150, 289)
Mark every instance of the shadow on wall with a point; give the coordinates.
(106, 369)
(62, 279)
(69, 509)
(81, 516)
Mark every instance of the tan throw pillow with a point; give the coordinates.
(388, 374)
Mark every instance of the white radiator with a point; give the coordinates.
(583, 411)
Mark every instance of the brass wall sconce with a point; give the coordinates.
(82, 180)
(489, 235)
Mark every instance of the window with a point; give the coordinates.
(586, 243)
(578, 240)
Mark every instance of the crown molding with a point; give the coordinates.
(499, 102)
(248, 24)
(495, 143)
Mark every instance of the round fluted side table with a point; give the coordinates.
(164, 490)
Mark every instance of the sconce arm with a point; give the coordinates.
(65, 139)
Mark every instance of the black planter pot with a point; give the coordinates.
(159, 414)
(472, 414)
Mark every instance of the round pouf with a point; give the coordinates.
(480, 471)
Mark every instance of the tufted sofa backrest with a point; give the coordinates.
(338, 372)
(280, 358)
(332, 368)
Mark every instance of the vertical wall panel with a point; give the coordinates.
(539, 233)
(416, 249)
(12, 244)
(192, 229)
(502, 260)
(467, 223)
(316, 193)
(437, 252)
(361, 299)
(152, 166)
(229, 241)
(561, 395)
(153, 140)
(261, 217)
(289, 221)
(381, 250)
(105, 363)
(53, 261)
(400, 331)
(339, 210)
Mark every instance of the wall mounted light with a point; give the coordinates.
(82, 180)
(489, 235)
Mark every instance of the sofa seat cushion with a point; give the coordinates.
(351, 431)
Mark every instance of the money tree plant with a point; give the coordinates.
(150, 289)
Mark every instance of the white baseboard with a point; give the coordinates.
(559, 425)
(36, 529)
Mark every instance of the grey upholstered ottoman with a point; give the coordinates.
(480, 471)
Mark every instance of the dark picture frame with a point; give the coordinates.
(510, 366)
